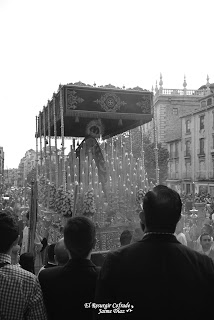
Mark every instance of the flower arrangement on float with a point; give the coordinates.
(64, 202)
(89, 207)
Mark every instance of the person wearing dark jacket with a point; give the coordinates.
(156, 277)
(67, 289)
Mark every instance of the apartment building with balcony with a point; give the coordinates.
(193, 166)
(169, 105)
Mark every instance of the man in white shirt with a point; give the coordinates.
(206, 245)
(179, 233)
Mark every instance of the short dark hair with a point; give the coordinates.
(9, 230)
(50, 252)
(204, 234)
(125, 237)
(26, 261)
(79, 236)
(162, 208)
(208, 227)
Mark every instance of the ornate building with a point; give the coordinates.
(170, 108)
(191, 153)
(193, 166)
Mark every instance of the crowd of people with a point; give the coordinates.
(202, 197)
(147, 277)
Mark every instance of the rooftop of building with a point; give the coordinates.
(205, 86)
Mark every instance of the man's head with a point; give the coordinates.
(207, 228)
(61, 254)
(205, 241)
(26, 261)
(9, 231)
(79, 236)
(161, 209)
(50, 252)
(125, 237)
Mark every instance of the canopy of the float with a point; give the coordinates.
(116, 110)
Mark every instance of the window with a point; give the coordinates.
(211, 191)
(203, 103)
(176, 168)
(170, 150)
(176, 149)
(212, 173)
(213, 141)
(170, 169)
(188, 169)
(175, 111)
(209, 102)
(201, 122)
(201, 144)
(202, 166)
(187, 126)
(187, 148)
(188, 188)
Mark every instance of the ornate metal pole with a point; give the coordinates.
(49, 141)
(130, 139)
(62, 136)
(143, 157)
(142, 148)
(40, 139)
(55, 137)
(45, 155)
(37, 148)
(121, 145)
(156, 148)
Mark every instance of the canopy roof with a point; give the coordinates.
(111, 109)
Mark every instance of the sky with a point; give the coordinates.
(46, 42)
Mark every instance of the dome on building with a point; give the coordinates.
(205, 87)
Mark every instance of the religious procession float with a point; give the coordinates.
(97, 178)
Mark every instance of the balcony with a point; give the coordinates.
(187, 154)
(212, 151)
(181, 92)
(201, 153)
(188, 132)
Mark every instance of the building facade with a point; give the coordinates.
(169, 105)
(27, 163)
(191, 163)
(11, 177)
